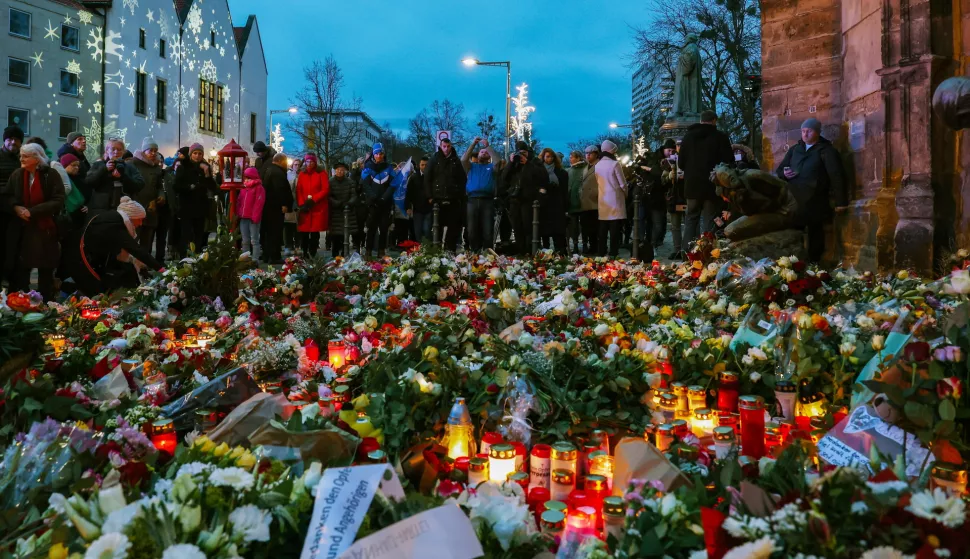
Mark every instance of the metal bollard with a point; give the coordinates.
(635, 248)
(435, 227)
(536, 242)
(346, 231)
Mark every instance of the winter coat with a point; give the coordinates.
(343, 194)
(314, 216)
(483, 178)
(375, 182)
(291, 177)
(263, 162)
(9, 162)
(703, 147)
(415, 199)
(34, 243)
(612, 190)
(655, 196)
(820, 182)
(168, 188)
(153, 189)
(553, 204)
(251, 199)
(576, 173)
(278, 195)
(105, 236)
(193, 187)
(522, 181)
(444, 179)
(84, 166)
(105, 190)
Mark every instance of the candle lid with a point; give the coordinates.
(613, 506)
(459, 414)
(591, 446)
(785, 386)
(555, 505)
(678, 387)
(519, 477)
(553, 518)
(668, 399)
(596, 454)
(948, 471)
(687, 452)
(696, 390)
(377, 455)
(563, 450)
(501, 451)
(703, 414)
(562, 476)
(665, 429)
(595, 483)
(750, 402)
(478, 464)
(724, 434)
(727, 376)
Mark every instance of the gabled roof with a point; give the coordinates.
(182, 9)
(242, 35)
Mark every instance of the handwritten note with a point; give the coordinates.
(440, 533)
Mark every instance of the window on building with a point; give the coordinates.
(210, 106)
(252, 128)
(69, 83)
(161, 48)
(19, 117)
(67, 125)
(70, 38)
(141, 38)
(18, 72)
(19, 23)
(212, 38)
(140, 94)
(161, 94)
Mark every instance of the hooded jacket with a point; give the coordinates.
(444, 179)
(343, 194)
(263, 162)
(820, 177)
(252, 198)
(192, 185)
(703, 147)
(278, 194)
(416, 200)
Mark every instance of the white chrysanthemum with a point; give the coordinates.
(119, 519)
(251, 522)
(237, 478)
(938, 506)
(758, 549)
(109, 546)
(193, 469)
(183, 551)
(884, 552)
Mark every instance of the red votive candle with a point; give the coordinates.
(538, 497)
(727, 392)
(752, 426)
(520, 455)
(461, 463)
(488, 439)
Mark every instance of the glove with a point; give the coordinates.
(307, 205)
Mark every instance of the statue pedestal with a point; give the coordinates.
(676, 125)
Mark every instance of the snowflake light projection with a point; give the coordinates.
(95, 43)
(194, 19)
(73, 67)
(84, 17)
(180, 96)
(131, 4)
(175, 49)
(51, 32)
(208, 72)
(116, 78)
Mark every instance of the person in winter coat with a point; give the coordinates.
(249, 210)
(74, 203)
(312, 200)
(33, 196)
(815, 177)
(419, 207)
(13, 137)
(611, 200)
(375, 180)
(75, 145)
(553, 201)
(108, 254)
(343, 197)
(264, 158)
(577, 167)
(703, 148)
(193, 183)
(444, 184)
(152, 195)
(480, 188)
(111, 178)
(672, 181)
(173, 241)
(522, 179)
(589, 219)
(290, 242)
(279, 201)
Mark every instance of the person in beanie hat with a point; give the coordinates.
(375, 181)
(608, 147)
(74, 204)
(480, 188)
(149, 144)
(152, 195)
(249, 210)
(522, 179)
(109, 254)
(264, 157)
(279, 201)
(816, 178)
(75, 145)
(703, 148)
(193, 183)
(13, 137)
(611, 200)
(343, 194)
(111, 178)
(313, 205)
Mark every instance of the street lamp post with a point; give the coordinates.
(633, 139)
(291, 110)
(508, 94)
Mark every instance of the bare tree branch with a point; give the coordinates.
(440, 115)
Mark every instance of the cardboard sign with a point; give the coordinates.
(849, 442)
(343, 497)
(440, 533)
(441, 135)
(638, 459)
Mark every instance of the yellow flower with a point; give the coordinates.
(246, 461)
(361, 402)
(430, 353)
(221, 450)
(82, 426)
(902, 274)
(716, 253)
(207, 446)
(698, 265)
(666, 312)
(57, 551)
(236, 452)
(618, 328)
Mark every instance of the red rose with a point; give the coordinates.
(950, 386)
(798, 266)
(133, 473)
(771, 294)
(492, 388)
(447, 488)
(916, 351)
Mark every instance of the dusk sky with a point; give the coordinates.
(399, 56)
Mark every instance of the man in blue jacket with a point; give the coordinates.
(375, 181)
(480, 188)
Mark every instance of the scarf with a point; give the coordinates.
(34, 195)
(551, 169)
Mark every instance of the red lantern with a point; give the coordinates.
(232, 173)
(164, 437)
(90, 312)
(337, 354)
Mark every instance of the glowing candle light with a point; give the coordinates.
(703, 423)
(501, 462)
(164, 437)
(337, 354)
(459, 433)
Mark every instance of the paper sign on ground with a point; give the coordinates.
(343, 497)
(440, 533)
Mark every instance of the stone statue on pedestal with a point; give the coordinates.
(687, 86)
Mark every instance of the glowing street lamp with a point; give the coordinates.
(469, 62)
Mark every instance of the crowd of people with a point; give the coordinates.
(94, 226)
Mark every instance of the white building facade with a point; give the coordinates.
(175, 72)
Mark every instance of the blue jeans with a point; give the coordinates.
(250, 237)
(422, 226)
(700, 218)
(481, 223)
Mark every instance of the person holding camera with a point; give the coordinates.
(193, 182)
(481, 186)
(522, 180)
(111, 178)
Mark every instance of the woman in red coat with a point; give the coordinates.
(312, 191)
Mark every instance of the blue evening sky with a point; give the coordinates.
(401, 55)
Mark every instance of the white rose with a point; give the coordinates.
(601, 329)
(755, 377)
(526, 339)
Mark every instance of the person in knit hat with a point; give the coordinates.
(110, 178)
(152, 195)
(264, 158)
(193, 183)
(522, 179)
(74, 204)
(816, 178)
(109, 252)
(249, 210)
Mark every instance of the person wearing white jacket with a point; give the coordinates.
(612, 199)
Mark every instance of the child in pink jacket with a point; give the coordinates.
(249, 210)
